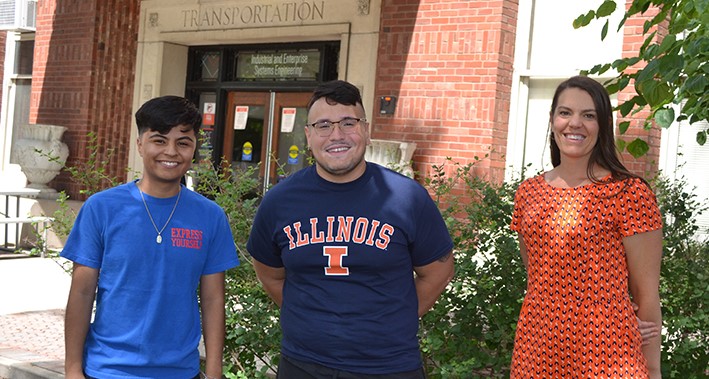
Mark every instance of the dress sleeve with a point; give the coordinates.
(639, 210)
(516, 223)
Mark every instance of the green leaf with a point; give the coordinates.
(638, 148)
(620, 144)
(696, 84)
(648, 40)
(620, 64)
(604, 31)
(606, 9)
(623, 127)
(656, 93)
(584, 19)
(702, 137)
(578, 22)
(664, 117)
(668, 42)
(613, 88)
(670, 67)
(648, 72)
(626, 107)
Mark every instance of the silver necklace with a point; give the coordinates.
(158, 239)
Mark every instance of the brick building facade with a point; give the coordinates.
(450, 64)
(83, 75)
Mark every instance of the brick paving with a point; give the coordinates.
(33, 293)
(40, 333)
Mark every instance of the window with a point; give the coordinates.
(549, 50)
(24, 56)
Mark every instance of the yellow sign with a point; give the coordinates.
(293, 151)
(248, 148)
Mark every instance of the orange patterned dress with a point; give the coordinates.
(577, 319)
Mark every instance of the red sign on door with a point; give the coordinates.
(208, 114)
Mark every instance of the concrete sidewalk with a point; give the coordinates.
(33, 294)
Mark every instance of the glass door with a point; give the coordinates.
(265, 130)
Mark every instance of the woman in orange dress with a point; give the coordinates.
(590, 235)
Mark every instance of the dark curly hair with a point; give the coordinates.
(163, 113)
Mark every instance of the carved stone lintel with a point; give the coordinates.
(363, 7)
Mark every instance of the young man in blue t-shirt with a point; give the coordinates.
(353, 253)
(143, 249)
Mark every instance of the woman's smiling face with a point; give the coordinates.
(574, 123)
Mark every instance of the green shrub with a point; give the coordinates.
(253, 332)
(684, 283)
(470, 331)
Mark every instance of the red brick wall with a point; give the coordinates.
(450, 65)
(83, 75)
(632, 40)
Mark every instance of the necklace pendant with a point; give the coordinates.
(158, 239)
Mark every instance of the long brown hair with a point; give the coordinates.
(604, 153)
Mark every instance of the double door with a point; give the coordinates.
(265, 130)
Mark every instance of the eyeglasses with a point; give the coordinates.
(348, 125)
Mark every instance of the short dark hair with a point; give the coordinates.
(337, 92)
(604, 153)
(164, 113)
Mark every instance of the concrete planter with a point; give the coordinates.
(395, 155)
(41, 154)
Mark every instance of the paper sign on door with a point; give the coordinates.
(287, 120)
(208, 114)
(241, 115)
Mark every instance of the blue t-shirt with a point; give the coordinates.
(349, 300)
(147, 321)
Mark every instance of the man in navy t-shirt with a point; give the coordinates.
(353, 253)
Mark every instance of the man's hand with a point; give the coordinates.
(648, 329)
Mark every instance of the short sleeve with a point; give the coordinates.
(433, 239)
(261, 244)
(84, 244)
(520, 197)
(638, 211)
(223, 254)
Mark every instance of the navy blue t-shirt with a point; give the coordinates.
(349, 300)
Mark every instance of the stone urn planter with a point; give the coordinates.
(395, 155)
(41, 154)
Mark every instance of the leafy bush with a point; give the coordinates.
(684, 283)
(470, 331)
(253, 332)
(91, 176)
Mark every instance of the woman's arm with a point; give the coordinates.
(523, 251)
(644, 256)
